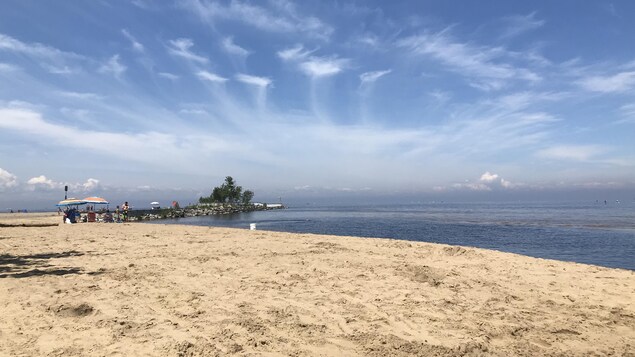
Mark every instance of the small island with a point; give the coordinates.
(228, 198)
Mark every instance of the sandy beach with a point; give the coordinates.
(133, 289)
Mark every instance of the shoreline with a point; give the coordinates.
(169, 290)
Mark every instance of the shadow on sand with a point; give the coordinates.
(24, 266)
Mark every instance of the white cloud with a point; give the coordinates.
(181, 47)
(323, 66)
(627, 112)
(487, 177)
(282, 18)
(523, 100)
(169, 76)
(135, 44)
(311, 65)
(440, 96)
(620, 82)
(81, 114)
(7, 179)
(519, 24)
(572, 152)
(142, 4)
(59, 70)
(483, 66)
(193, 111)
(487, 182)
(8, 43)
(91, 185)
(148, 146)
(369, 77)
(113, 67)
(41, 182)
(211, 77)
(369, 40)
(6, 67)
(79, 95)
(51, 59)
(294, 53)
(230, 47)
(254, 80)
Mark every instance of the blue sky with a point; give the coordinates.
(142, 99)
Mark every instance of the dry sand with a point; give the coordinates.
(157, 290)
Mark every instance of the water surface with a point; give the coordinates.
(592, 233)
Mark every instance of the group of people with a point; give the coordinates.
(122, 215)
(72, 215)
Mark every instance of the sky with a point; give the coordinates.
(159, 100)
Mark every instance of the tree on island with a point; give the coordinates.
(229, 192)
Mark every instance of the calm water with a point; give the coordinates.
(592, 233)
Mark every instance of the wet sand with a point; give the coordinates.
(163, 290)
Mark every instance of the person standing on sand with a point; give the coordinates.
(117, 219)
(125, 208)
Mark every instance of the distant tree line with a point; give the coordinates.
(229, 192)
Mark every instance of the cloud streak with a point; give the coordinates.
(254, 80)
(283, 19)
(370, 77)
(113, 66)
(519, 24)
(486, 67)
(136, 45)
(211, 77)
(230, 47)
(181, 48)
(617, 83)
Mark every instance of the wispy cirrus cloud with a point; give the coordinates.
(8, 43)
(181, 48)
(627, 112)
(253, 80)
(283, 17)
(148, 146)
(316, 67)
(6, 67)
(616, 83)
(170, 76)
(313, 66)
(211, 77)
(487, 68)
(520, 24)
(370, 77)
(136, 45)
(80, 95)
(573, 152)
(295, 53)
(232, 48)
(113, 66)
(50, 58)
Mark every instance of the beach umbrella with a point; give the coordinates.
(95, 200)
(154, 203)
(71, 202)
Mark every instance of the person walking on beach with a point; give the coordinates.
(117, 218)
(125, 208)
